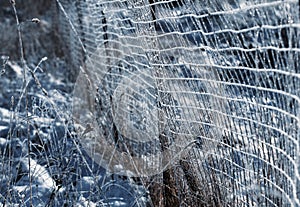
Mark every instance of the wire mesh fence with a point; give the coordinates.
(199, 98)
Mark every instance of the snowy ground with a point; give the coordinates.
(41, 160)
(59, 173)
(43, 163)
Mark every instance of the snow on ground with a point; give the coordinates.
(60, 172)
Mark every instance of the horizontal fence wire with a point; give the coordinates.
(198, 98)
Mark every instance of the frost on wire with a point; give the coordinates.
(207, 90)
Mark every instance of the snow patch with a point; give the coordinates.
(83, 202)
(2, 128)
(16, 68)
(5, 114)
(39, 174)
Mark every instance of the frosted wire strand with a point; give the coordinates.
(183, 45)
